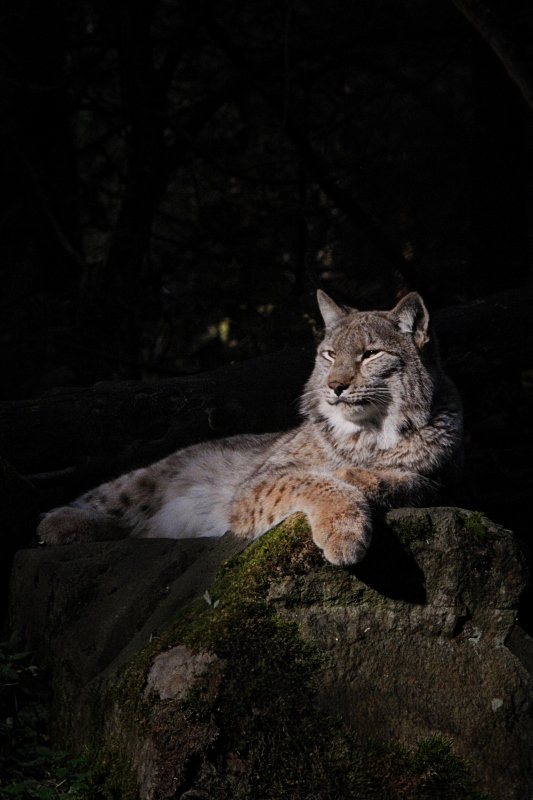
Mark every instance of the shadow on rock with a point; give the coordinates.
(390, 568)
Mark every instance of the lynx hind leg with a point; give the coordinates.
(70, 524)
(108, 512)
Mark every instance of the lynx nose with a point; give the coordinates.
(338, 387)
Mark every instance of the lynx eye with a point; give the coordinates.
(329, 355)
(368, 355)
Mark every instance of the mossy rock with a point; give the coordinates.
(287, 677)
(245, 724)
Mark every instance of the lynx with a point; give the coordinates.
(382, 425)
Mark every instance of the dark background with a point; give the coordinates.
(177, 178)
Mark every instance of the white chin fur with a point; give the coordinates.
(338, 421)
(386, 435)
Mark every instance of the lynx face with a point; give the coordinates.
(360, 368)
(369, 365)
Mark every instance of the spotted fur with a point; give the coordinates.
(382, 426)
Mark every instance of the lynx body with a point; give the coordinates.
(382, 427)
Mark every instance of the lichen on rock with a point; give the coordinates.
(173, 671)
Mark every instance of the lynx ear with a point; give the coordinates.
(411, 316)
(331, 312)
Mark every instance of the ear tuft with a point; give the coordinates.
(331, 312)
(411, 316)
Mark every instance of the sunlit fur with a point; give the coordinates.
(382, 426)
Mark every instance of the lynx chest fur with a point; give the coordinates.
(382, 426)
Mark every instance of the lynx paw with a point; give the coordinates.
(67, 525)
(344, 540)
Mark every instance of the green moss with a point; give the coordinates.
(267, 739)
(445, 775)
(286, 550)
(481, 537)
(475, 524)
(111, 774)
(431, 771)
(409, 528)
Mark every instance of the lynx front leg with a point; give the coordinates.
(338, 513)
(388, 487)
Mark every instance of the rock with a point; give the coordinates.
(86, 608)
(19, 512)
(257, 686)
(400, 670)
